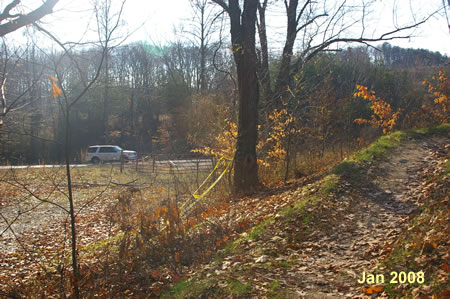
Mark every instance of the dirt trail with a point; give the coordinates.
(324, 255)
(371, 218)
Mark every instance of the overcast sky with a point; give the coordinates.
(155, 20)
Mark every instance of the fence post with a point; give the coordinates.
(197, 173)
(215, 174)
(121, 161)
(137, 162)
(153, 166)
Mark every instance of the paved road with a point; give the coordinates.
(201, 163)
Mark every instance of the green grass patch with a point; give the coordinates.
(440, 130)
(259, 229)
(352, 169)
(186, 289)
(276, 291)
(329, 183)
(238, 288)
(380, 147)
(306, 219)
(111, 243)
(206, 288)
(231, 247)
(297, 210)
(346, 168)
(288, 212)
(288, 263)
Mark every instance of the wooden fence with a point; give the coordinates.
(165, 164)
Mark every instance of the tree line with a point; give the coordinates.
(155, 93)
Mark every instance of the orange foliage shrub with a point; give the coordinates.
(225, 144)
(439, 90)
(382, 116)
(271, 150)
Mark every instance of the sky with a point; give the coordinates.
(155, 20)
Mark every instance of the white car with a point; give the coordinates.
(102, 153)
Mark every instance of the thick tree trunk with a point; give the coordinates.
(243, 39)
(246, 168)
(243, 32)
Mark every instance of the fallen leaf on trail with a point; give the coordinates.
(262, 259)
(373, 289)
(156, 291)
(155, 274)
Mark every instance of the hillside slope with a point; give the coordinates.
(382, 211)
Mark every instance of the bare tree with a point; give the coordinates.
(12, 19)
(19, 79)
(202, 29)
(108, 21)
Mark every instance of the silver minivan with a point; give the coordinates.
(103, 153)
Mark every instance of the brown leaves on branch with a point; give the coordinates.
(382, 116)
(439, 91)
(56, 91)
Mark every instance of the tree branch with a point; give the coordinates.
(223, 5)
(310, 22)
(6, 12)
(24, 20)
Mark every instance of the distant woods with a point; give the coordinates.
(179, 97)
(394, 56)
